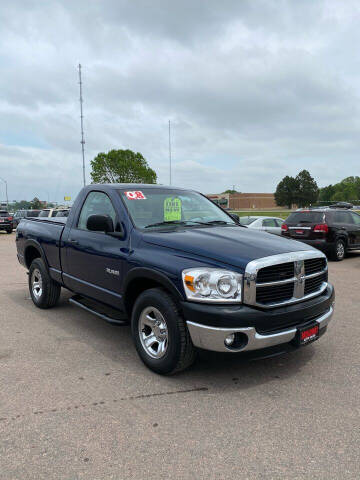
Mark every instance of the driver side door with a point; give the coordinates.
(95, 260)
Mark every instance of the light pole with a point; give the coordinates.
(7, 200)
(82, 126)
(170, 150)
(47, 195)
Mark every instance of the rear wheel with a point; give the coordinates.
(339, 250)
(160, 334)
(44, 291)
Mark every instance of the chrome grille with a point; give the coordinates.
(279, 293)
(285, 279)
(313, 284)
(313, 265)
(276, 272)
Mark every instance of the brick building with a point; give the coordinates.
(244, 201)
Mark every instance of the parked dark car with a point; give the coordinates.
(335, 231)
(181, 270)
(6, 221)
(24, 214)
(342, 205)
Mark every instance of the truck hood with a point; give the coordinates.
(232, 245)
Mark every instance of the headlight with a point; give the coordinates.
(212, 285)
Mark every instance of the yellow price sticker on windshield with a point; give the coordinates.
(172, 209)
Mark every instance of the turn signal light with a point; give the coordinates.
(284, 227)
(322, 227)
(189, 282)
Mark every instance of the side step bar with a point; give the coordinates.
(108, 314)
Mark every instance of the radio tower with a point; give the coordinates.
(170, 150)
(82, 125)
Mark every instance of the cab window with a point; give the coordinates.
(96, 203)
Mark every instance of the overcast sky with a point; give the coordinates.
(255, 90)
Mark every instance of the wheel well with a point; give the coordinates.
(343, 238)
(136, 287)
(30, 254)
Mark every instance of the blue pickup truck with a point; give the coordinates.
(182, 271)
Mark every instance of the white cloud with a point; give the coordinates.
(255, 90)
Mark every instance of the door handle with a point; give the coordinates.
(74, 242)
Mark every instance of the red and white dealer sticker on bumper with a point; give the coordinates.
(135, 195)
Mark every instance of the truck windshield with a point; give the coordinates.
(155, 208)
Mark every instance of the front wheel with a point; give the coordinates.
(160, 334)
(44, 291)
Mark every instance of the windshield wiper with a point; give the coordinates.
(219, 222)
(186, 222)
(175, 222)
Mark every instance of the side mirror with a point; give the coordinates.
(235, 217)
(100, 223)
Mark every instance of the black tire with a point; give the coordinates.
(339, 250)
(47, 293)
(9, 231)
(180, 352)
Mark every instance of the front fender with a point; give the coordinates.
(143, 273)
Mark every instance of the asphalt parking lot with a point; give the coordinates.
(76, 402)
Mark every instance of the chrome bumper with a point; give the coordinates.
(212, 338)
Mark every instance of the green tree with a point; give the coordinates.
(121, 166)
(326, 193)
(347, 190)
(231, 191)
(307, 191)
(36, 204)
(338, 197)
(21, 205)
(286, 192)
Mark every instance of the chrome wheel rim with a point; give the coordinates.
(36, 283)
(340, 250)
(153, 332)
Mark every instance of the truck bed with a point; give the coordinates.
(45, 232)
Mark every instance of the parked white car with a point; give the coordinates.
(267, 224)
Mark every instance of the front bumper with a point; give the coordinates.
(212, 338)
(255, 329)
